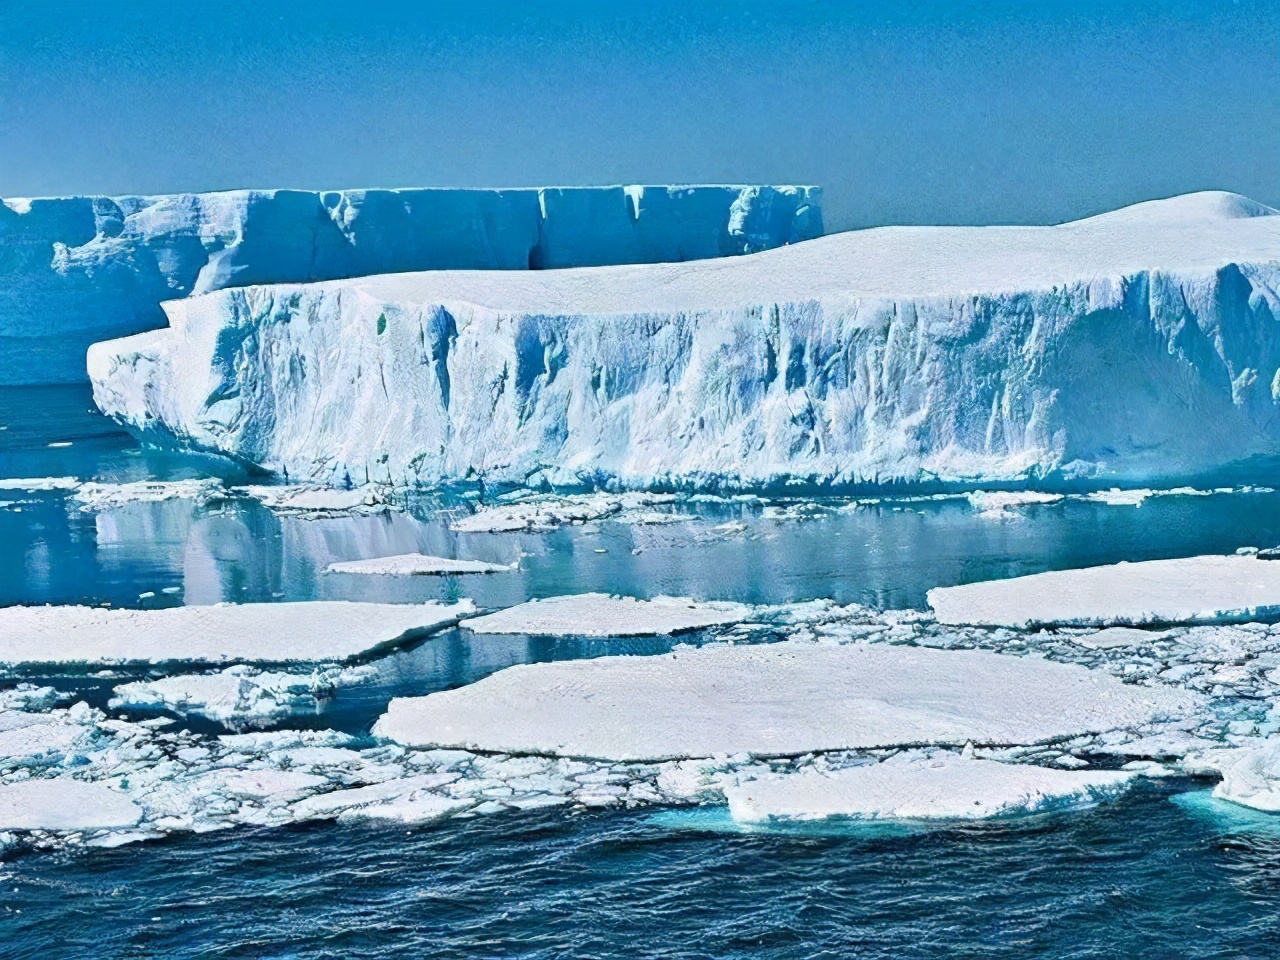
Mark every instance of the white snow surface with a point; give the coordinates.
(317, 630)
(919, 786)
(416, 564)
(1207, 589)
(781, 699)
(62, 803)
(600, 615)
(78, 269)
(1128, 348)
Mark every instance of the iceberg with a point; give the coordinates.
(773, 700)
(1120, 349)
(317, 630)
(1209, 589)
(78, 269)
(600, 615)
(920, 786)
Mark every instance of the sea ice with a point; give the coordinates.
(416, 564)
(1002, 505)
(919, 786)
(1208, 589)
(62, 803)
(311, 501)
(39, 484)
(774, 700)
(600, 615)
(256, 632)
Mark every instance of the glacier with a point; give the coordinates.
(1130, 347)
(74, 270)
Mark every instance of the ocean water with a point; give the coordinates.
(1164, 872)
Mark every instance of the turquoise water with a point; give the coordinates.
(1164, 872)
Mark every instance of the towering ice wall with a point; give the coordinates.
(1132, 347)
(82, 269)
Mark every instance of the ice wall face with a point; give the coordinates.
(77, 270)
(1115, 349)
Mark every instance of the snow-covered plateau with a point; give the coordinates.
(74, 270)
(1130, 347)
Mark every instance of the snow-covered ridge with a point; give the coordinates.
(78, 269)
(1127, 348)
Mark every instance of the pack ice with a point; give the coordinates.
(317, 630)
(773, 700)
(1126, 347)
(78, 269)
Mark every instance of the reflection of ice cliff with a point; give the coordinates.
(1135, 345)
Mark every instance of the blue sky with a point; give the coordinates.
(954, 112)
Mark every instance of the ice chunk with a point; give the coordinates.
(599, 615)
(920, 786)
(62, 803)
(1206, 589)
(1250, 775)
(774, 700)
(1113, 637)
(105, 496)
(256, 632)
(416, 564)
(238, 697)
(992, 364)
(538, 514)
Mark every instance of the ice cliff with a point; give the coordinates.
(1129, 347)
(80, 269)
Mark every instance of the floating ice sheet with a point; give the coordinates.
(256, 632)
(416, 564)
(920, 786)
(39, 484)
(61, 803)
(306, 500)
(1250, 775)
(105, 496)
(599, 615)
(1207, 589)
(774, 700)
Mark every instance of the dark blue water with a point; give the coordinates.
(1143, 877)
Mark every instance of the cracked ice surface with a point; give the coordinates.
(920, 785)
(254, 632)
(599, 615)
(774, 700)
(1208, 589)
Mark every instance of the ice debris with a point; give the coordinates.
(416, 564)
(600, 615)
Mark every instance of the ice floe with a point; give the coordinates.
(105, 496)
(920, 786)
(62, 803)
(774, 700)
(542, 513)
(416, 564)
(1207, 589)
(1250, 774)
(39, 484)
(255, 633)
(309, 500)
(600, 615)
(1002, 505)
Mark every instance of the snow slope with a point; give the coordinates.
(78, 269)
(1133, 346)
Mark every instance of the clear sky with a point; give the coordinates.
(958, 112)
